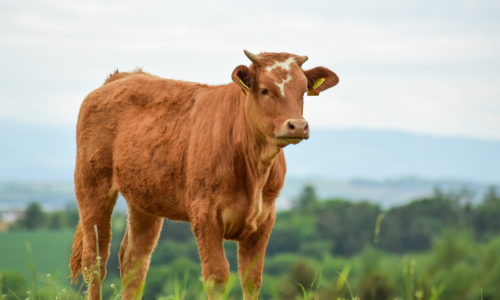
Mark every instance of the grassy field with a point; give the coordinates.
(50, 251)
(455, 266)
(431, 249)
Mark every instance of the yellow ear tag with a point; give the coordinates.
(243, 91)
(246, 86)
(318, 83)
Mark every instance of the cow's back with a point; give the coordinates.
(136, 128)
(163, 141)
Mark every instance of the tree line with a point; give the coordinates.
(337, 226)
(443, 241)
(344, 228)
(34, 217)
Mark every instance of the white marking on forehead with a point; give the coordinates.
(284, 65)
(282, 85)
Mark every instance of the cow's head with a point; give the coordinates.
(274, 86)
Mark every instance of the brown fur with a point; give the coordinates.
(76, 255)
(208, 155)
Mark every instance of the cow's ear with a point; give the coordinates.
(320, 79)
(243, 78)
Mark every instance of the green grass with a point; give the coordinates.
(409, 274)
(50, 251)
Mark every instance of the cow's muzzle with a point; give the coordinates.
(293, 131)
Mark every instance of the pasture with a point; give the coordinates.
(452, 254)
(50, 250)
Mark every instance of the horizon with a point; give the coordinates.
(47, 153)
(390, 193)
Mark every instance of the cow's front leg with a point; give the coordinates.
(215, 268)
(251, 252)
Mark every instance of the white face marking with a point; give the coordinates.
(284, 65)
(282, 85)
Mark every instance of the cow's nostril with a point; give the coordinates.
(306, 128)
(290, 125)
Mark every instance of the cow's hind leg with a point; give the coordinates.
(138, 243)
(96, 199)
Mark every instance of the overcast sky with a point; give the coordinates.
(429, 67)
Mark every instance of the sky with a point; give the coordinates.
(427, 67)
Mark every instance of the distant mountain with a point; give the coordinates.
(52, 195)
(381, 155)
(37, 153)
(388, 193)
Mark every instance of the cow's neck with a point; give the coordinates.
(258, 153)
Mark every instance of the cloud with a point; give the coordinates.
(55, 109)
(87, 8)
(346, 41)
(422, 66)
(439, 108)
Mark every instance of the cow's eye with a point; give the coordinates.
(265, 92)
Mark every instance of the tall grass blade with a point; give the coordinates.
(230, 285)
(319, 281)
(130, 276)
(176, 288)
(80, 289)
(377, 227)
(437, 292)
(342, 277)
(98, 261)
(250, 267)
(14, 294)
(315, 276)
(31, 268)
(184, 289)
(303, 291)
(346, 281)
(412, 278)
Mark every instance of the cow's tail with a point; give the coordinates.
(75, 263)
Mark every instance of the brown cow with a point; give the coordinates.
(209, 155)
